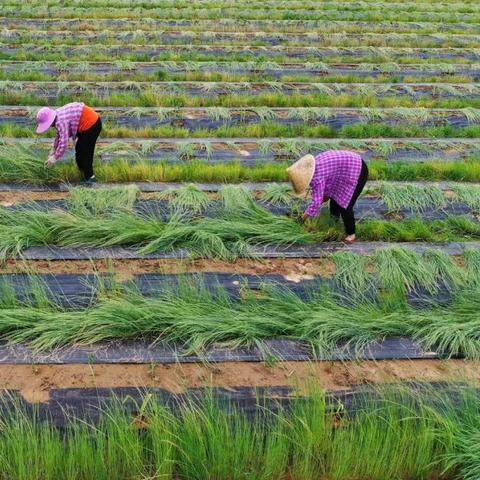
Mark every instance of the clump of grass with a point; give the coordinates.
(118, 148)
(278, 194)
(236, 198)
(465, 454)
(444, 268)
(452, 329)
(414, 197)
(330, 321)
(22, 229)
(100, 201)
(471, 258)
(186, 198)
(239, 225)
(19, 163)
(186, 151)
(468, 194)
(416, 230)
(400, 268)
(351, 273)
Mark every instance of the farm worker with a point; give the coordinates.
(76, 121)
(335, 175)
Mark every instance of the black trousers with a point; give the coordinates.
(85, 148)
(347, 214)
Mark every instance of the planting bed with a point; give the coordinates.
(313, 27)
(255, 151)
(179, 319)
(256, 71)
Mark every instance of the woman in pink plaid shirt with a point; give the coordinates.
(78, 122)
(335, 175)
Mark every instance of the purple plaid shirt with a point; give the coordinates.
(66, 123)
(336, 176)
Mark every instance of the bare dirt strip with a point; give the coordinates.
(34, 382)
(294, 270)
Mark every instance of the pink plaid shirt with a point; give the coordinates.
(66, 123)
(336, 176)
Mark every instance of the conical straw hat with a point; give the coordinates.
(301, 173)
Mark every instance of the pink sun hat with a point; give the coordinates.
(45, 118)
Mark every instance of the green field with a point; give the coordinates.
(180, 320)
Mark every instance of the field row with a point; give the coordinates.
(222, 309)
(252, 151)
(379, 197)
(307, 27)
(230, 230)
(381, 12)
(247, 53)
(237, 94)
(257, 38)
(271, 432)
(239, 71)
(120, 162)
(431, 205)
(357, 5)
(81, 291)
(214, 117)
(38, 257)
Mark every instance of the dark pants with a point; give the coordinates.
(347, 214)
(85, 148)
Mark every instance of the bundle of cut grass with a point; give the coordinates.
(410, 196)
(100, 201)
(186, 198)
(20, 163)
(278, 194)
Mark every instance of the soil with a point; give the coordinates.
(394, 216)
(294, 270)
(34, 382)
(7, 199)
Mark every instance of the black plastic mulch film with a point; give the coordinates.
(364, 208)
(306, 251)
(90, 403)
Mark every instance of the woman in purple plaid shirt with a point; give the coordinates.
(335, 175)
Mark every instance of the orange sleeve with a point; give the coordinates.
(87, 119)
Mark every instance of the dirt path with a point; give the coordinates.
(35, 382)
(8, 199)
(293, 269)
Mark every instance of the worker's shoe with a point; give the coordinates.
(90, 181)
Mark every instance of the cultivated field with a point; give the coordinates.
(178, 319)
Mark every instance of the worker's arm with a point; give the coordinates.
(318, 189)
(61, 142)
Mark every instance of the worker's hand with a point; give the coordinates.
(49, 161)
